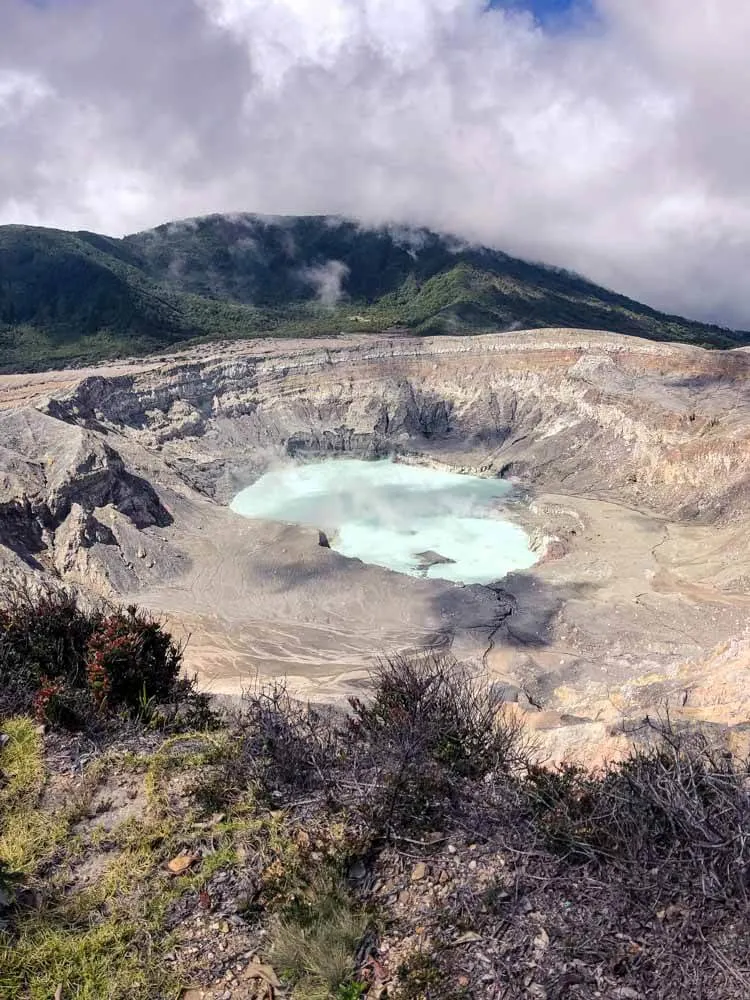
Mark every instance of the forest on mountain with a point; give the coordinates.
(69, 298)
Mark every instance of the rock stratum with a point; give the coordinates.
(631, 458)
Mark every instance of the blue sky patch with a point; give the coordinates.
(550, 13)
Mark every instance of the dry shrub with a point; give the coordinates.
(281, 747)
(450, 716)
(297, 744)
(431, 731)
(399, 762)
(677, 810)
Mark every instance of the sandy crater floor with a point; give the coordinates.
(618, 619)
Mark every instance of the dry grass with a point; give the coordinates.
(314, 946)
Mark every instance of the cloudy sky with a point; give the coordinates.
(608, 136)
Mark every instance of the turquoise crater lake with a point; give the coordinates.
(407, 518)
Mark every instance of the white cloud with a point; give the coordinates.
(327, 280)
(19, 93)
(621, 149)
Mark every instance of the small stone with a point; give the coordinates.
(451, 849)
(541, 941)
(181, 864)
(358, 872)
(419, 872)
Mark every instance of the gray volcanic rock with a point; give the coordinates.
(54, 476)
(430, 558)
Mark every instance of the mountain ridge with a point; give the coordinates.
(77, 297)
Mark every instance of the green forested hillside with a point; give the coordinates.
(75, 297)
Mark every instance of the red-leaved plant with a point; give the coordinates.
(130, 657)
(48, 691)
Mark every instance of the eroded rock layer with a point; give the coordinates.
(603, 414)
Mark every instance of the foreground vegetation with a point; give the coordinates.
(69, 298)
(410, 847)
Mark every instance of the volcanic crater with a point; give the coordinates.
(628, 461)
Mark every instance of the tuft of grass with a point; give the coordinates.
(314, 945)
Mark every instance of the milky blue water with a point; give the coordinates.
(397, 516)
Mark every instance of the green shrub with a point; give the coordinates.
(446, 713)
(74, 667)
(43, 642)
(131, 659)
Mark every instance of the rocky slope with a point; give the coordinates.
(636, 456)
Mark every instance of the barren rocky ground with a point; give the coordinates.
(631, 460)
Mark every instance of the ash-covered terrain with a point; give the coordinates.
(630, 462)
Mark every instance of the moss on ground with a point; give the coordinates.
(28, 837)
(94, 941)
(99, 918)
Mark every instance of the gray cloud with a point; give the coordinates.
(620, 149)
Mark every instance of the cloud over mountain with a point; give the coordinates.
(618, 145)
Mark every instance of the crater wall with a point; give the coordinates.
(643, 423)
